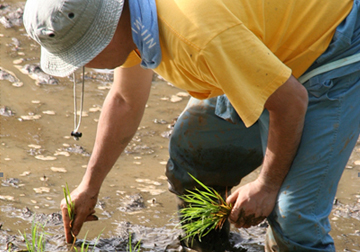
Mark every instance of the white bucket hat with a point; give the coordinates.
(71, 32)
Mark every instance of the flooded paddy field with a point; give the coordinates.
(38, 156)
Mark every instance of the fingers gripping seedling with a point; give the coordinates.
(205, 210)
(70, 207)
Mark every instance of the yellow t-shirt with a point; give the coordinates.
(243, 48)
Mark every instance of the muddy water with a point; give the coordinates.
(38, 157)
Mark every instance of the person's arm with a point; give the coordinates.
(120, 117)
(255, 201)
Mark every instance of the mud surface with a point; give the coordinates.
(165, 238)
(38, 156)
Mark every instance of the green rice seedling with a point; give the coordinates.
(85, 247)
(136, 248)
(37, 242)
(9, 246)
(70, 207)
(205, 210)
(69, 203)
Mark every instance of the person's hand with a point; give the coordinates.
(85, 202)
(252, 203)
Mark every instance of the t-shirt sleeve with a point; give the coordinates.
(241, 65)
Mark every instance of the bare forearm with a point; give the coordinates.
(255, 201)
(285, 130)
(283, 141)
(117, 125)
(122, 112)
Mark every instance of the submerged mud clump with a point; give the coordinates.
(77, 149)
(10, 77)
(6, 111)
(52, 219)
(139, 149)
(11, 16)
(132, 203)
(14, 182)
(40, 77)
(26, 213)
(98, 76)
(347, 211)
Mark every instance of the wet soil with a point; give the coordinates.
(38, 157)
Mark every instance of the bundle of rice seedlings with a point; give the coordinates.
(205, 211)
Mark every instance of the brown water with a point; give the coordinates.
(139, 171)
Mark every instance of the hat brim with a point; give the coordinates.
(97, 37)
